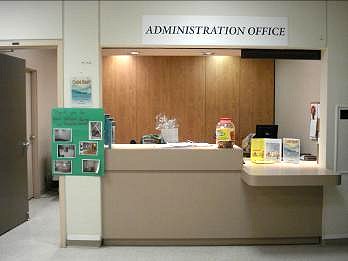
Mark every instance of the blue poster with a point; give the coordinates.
(81, 91)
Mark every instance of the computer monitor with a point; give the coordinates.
(266, 131)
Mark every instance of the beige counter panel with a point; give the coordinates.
(306, 173)
(177, 202)
(189, 205)
(158, 157)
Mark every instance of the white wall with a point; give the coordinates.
(30, 20)
(297, 84)
(121, 21)
(45, 63)
(336, 198)
(337, 84)
(81, 56)
(81, 46)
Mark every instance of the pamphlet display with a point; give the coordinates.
(264, 150)
(77, 145)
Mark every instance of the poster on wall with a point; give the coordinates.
(77, 144)
(314, 120)
(81, 91)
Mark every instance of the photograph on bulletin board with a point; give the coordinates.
(77, 147)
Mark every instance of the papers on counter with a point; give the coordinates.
(187, 145)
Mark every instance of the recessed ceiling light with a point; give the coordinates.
(134, 52)
(208, 53)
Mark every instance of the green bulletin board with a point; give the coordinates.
(77, 144)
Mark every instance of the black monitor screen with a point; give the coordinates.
(266, 131)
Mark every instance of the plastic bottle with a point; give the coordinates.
(225, 133)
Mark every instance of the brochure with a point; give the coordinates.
(257, 150)
(273, 150)
(291, 150)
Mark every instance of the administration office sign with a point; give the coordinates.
(215, 30)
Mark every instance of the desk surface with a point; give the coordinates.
(306, 173)
(170, 146)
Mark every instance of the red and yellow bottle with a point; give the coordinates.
(225, 133)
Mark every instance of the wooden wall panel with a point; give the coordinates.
(107, 89)
(188, 90)
(256, 94)
(222, 92)
(174, 86)
(195, 90)
(151, 89)
(119, 94)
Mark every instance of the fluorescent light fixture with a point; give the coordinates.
(134, 52)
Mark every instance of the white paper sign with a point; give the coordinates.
(215, 30)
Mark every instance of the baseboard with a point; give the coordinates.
(211, 242)
(84, 243)
(84, 240)
(335, 236)
(335, 239)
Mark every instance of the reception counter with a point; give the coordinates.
(155, 195)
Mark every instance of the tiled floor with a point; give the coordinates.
(38, 240)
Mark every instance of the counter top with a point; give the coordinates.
(195, 146)
(306, 173)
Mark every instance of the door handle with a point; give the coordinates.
(25, 144)
(32, 137)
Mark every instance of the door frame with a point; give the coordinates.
(58, 45)
(36, 179)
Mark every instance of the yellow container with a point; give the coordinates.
(225, 133)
